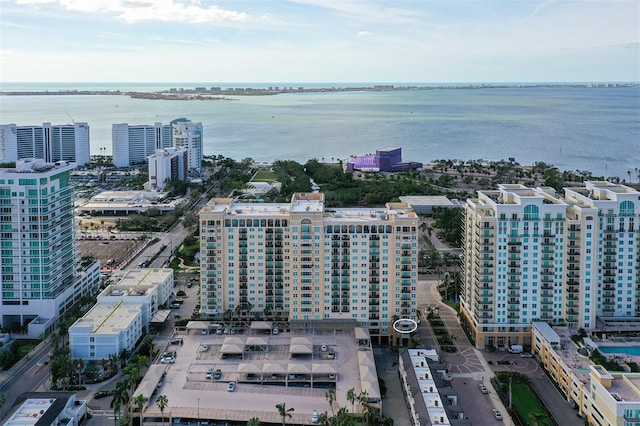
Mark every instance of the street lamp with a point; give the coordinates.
(198, 411)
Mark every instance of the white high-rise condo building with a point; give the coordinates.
(167, 164)
(41, 276)
(66, 142)
(188, 134)
(302, 262)
(530, 255)
(133, 144)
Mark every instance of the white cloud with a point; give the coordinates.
(364, 34)
(133, 11)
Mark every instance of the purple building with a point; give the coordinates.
(387, 159)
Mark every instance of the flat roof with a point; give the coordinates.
(547, 332)
(39, 408)
(186, 381)
(427, 200)
(107, 318)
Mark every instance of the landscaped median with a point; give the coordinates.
(440, 330)
(526, 408)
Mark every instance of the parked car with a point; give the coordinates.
(526, 355)
(218, 374)
(205, 348)
(231, 387)
(314, 417)
(168, 360)
(483, 388)
(324, 347)
(102, 394)
(497, 414)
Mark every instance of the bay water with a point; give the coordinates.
(573, 128)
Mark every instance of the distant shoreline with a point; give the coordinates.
(220, 94)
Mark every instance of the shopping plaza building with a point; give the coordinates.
(301, 261)
(530, 255)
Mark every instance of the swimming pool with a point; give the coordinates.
(629, 350)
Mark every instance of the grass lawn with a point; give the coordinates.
(265, 176)
(526, 403)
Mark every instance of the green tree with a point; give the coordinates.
(330, 394)
(119, 397)
(351, 397)
(140, 401)
(254, 421)
(162, 403)
(284, 412)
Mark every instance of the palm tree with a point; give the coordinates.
(124, 356)
(120, 397)
(116, 412)
(254, 421)
(537, 418)
(330, 394)
(162, 403)
(139, 401)
(284, 412)
(324, 419)
(344, 418)
(132, 373)
(351, 397)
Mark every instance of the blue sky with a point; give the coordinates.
(319, 41)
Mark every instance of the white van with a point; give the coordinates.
(516, 349)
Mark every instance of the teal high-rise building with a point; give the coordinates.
(41, 276)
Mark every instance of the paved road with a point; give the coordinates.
(471, 366)
(467, 366)
(29, 376)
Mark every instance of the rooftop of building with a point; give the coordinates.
(107, 318)
(428, 200)
(308, 202)
(37, 165)
(625, 388)
(581, 366)
(601, 191)
(518, 194)
(426, 385)
(124, 200)
(144, 276)
(39, 408)
(295, 366)
(388, 149)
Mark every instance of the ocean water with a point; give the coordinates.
(594, 129)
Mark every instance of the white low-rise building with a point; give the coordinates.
(107, 329)
(48, 409)
(123, 312)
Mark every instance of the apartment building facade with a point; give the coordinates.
(533, 256)
(66, 142)
(40, 273)
(167, 164)
(132, 144)
(301, 261)
(188, 134)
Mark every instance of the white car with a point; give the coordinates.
(314, 417)
(168, 360)
(497, 414)
(232, 387)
